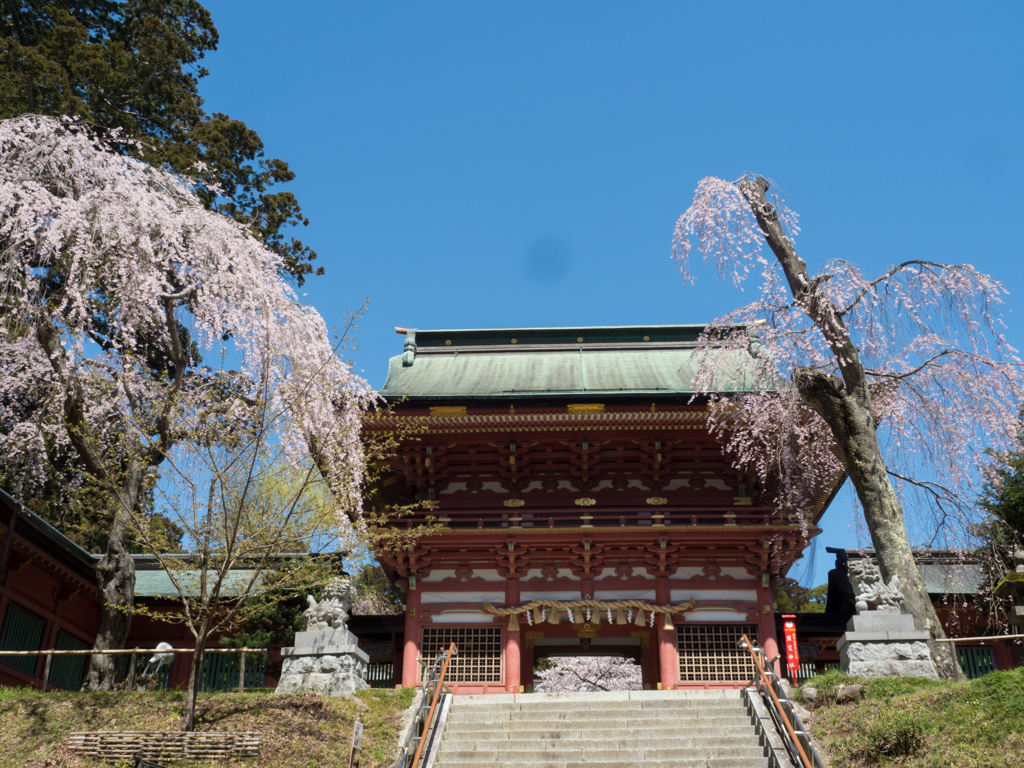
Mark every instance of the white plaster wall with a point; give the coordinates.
(526, 596)
(738, 573)
(714, 614)
(639, 572)
(462, 597)
(624, 594)
(688, 572)
(562, 573)
(462, 617)
(747, 595)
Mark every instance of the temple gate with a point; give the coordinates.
(578, 504)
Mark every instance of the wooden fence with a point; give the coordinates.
(168, 745)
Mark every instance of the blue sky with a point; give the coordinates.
(523, 164)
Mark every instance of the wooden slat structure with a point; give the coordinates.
(169, 745)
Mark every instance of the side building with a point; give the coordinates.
(573, 501)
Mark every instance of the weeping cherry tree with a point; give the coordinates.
(902, 381)
(115, 281)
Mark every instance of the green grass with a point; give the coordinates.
(922, 723)
(299, 731)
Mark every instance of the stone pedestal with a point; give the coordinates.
(885, 644)
(324, 660)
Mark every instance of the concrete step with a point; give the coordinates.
(617, 734)
(631, 742)
(481, 715)
(599, 705)
(492, 699)
(629, 729)
(677, 725)
(481, 757)
(704, 762)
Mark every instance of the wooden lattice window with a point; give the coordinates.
(709, 652)
(479, 656)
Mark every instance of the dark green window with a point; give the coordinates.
(220, 671)
(380, 675)
(22, 631)
(976, 662)
(67, 671)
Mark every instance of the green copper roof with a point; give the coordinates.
(549, 362)
(158, 583)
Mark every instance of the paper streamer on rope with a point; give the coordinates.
(550, 610)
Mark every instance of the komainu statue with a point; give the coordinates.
(871, 590)
(332, 611)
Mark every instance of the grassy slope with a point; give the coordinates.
(299, 731)
(921, 723)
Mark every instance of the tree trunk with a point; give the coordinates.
(845, 405)
(188, 719)
(853, 426)
(115, 577)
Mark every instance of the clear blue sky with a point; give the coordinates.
(522, 164)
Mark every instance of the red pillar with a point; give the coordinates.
(766, 627)
(512, 654)
(668, 653)
(410, 666)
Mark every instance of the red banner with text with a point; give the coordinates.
(792, 652)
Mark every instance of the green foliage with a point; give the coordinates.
(923, 723)
(374, 594)
(790, 597)
(78, 508)
(1003, 496)
(297, 730)
(135, 66)
(275, 615)
(896, 734)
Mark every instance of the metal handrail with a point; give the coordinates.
(432, 690)
(769, 682)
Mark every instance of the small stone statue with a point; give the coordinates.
(332, 611)
(326, 657)
(872, 590)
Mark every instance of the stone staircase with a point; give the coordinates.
(628, 729)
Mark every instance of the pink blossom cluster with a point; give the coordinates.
(589, 673)
(945, 384)
(114, 254)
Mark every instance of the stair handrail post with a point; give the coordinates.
(433, 704)
(778, 706)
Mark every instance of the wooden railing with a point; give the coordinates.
(792, 729)
(594, 517)
(432, 690)
(134, 653)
